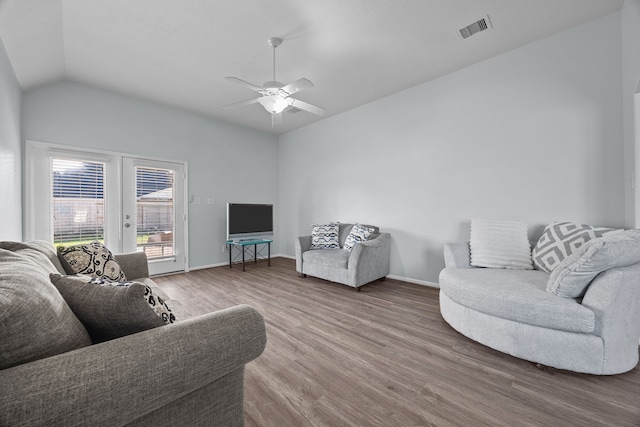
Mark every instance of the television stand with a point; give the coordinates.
(242, 245)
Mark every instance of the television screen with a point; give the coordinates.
(249, 221)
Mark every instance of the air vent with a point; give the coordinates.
(476, 27)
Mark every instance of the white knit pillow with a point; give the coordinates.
(500, 244)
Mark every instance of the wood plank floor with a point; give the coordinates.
(385, 357)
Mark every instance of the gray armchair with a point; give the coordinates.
(367, 261)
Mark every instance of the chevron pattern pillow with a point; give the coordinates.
(359, 233)
(325, 236)
(561, 239)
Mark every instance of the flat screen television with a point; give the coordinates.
(247, 221)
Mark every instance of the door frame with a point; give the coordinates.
(36, 188)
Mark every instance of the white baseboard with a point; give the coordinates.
(391, 276)
(226, 263)
(414, 281)
(202, 267)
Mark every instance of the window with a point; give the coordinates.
(78, 202)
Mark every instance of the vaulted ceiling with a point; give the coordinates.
(178, 53)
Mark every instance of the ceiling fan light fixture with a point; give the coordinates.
(274, 104)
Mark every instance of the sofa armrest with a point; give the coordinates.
(457, 255)
(370, 260)
(122, 380)
(614, 297)
(302, 244)
(134, 264)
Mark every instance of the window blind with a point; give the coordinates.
(155, 211)
(78, 200)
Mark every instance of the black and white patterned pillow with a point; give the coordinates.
(93, 259)
(561, 239)
(112, 309)
(325, 236)
(358, 233)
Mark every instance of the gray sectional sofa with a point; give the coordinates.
(367, 261)
(511, 311)
(186, 373)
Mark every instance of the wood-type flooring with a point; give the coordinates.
(385, 357)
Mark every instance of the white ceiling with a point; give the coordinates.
(355, 51)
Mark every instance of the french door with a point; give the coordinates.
(153, 216)
(75, 196)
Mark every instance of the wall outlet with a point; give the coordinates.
(211, 201)
(224, 248)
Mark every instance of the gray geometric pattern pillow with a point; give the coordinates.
(572, 277)
(358, 233)
(325, 236)
(560, 239)
(112, 309)
(93, 259)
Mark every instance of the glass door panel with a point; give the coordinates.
(153, 213)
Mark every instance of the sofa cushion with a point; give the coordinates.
(35, 321)
(93, 259)
(325, 236)
(572, 276)
(518, 295)
(359, 233)
(335, 258)
(112, 309)
(500, 244)
(560, 239)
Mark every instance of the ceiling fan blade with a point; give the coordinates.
(301, 105)
(296, 86)
(240, 104)
(276, 119)
(244, 83)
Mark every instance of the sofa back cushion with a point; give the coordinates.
(572, 276)
(35, 321)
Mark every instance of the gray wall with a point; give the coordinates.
(10, 151)
(631, 114)
(226, 162)
(534, 134)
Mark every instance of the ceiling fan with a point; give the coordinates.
(276, 97)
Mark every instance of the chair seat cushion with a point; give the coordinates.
(518, 295)
(335, 258)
